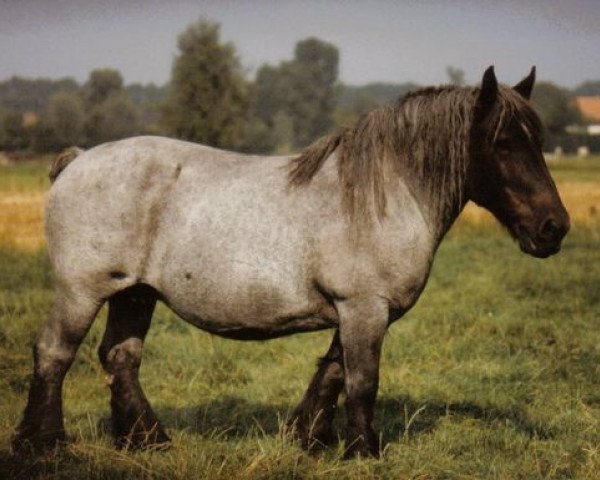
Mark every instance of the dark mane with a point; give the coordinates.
(424, 136)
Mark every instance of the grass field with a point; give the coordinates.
(494, 374)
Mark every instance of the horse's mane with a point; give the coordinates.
(424, 135)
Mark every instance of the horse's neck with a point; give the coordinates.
(438, 178)
(408, 203)
(437, 217)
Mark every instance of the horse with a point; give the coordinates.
(341, 236)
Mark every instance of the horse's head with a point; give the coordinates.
(507, 172)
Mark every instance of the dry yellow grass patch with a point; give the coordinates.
(22, 219)
(582, 200)
(22, 213)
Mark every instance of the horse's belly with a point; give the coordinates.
(251, 309)
(254, 322)
(266, 329)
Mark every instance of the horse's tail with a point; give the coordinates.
(62, 160)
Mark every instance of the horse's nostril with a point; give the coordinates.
(550, 230)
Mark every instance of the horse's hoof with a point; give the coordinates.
(312, 440)
(37, 444)
(361, 450)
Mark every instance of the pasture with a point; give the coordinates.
(494, 374)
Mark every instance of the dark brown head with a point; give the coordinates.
(507, 173)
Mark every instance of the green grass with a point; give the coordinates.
(571, 169)
(26, 175)
(494, 374)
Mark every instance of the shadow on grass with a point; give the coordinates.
(226, 417)
(60, 464)
(231, 417)
(394, 415)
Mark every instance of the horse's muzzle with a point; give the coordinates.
(546, 241)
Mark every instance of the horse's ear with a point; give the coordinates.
(488, 93)
(525, 86)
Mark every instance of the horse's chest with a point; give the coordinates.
(407, 277)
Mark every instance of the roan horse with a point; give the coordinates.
(251, 248)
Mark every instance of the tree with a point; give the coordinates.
(13, 135)
(557, 111)
(588, 88)
(352, 97)
(22, 95)
(456, 76)
(116, 117)
(354, 101)
(271, 92)
(302, 92)
(149, 100)
(315, 69)
(554, 107)
(102, 83)
(65, 119)
(207, 101)
(111, 114)
(258, 137)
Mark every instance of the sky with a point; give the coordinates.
(388, 41)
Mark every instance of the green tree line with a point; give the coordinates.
(211, 100)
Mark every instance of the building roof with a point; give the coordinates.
(589, 107)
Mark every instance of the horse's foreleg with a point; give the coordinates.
(312, 418)
(54, 350)
(363, 323)
(135, 425)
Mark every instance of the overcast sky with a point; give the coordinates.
(393, 41)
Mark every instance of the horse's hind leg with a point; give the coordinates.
(54, 350)
(135, 425)
(312, 418)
